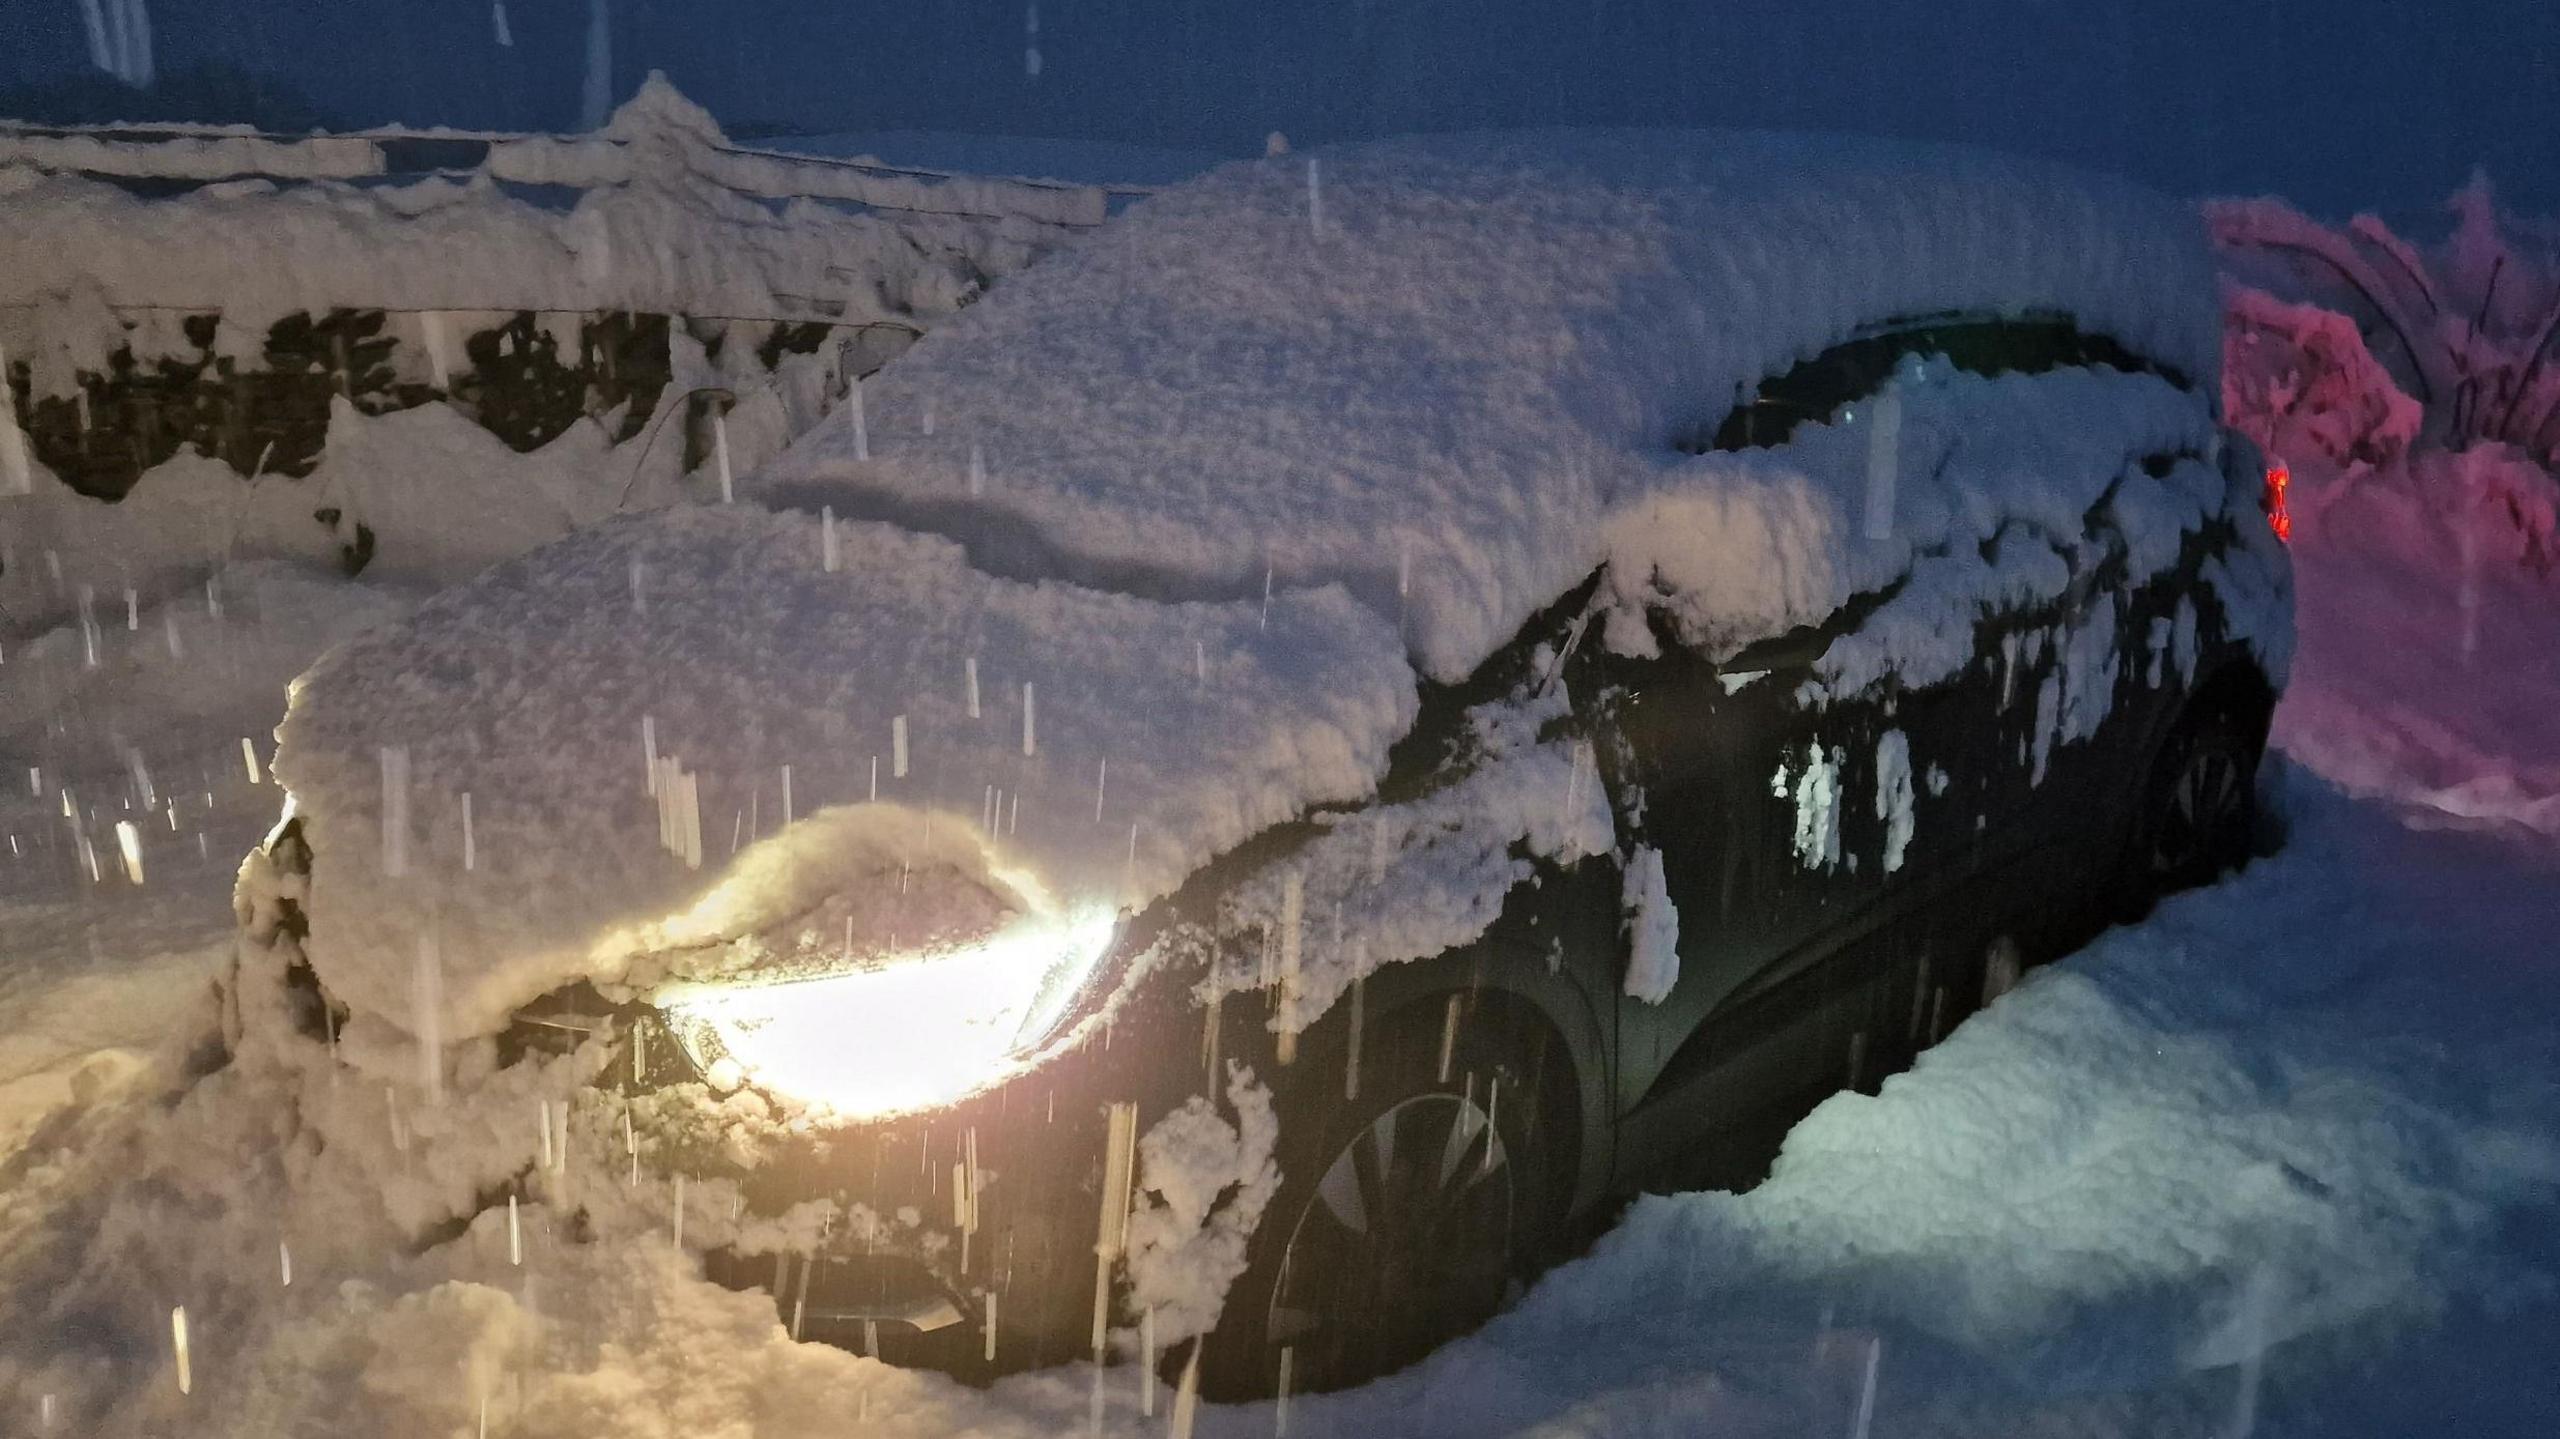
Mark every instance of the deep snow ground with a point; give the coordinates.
(2313, 1112)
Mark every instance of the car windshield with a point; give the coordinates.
(1831, 719)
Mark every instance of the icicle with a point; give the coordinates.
(1030, 719)
(515, 1235)
(2467, 549)
(1293, 903)
(1359, 987)
(1186, 1398)
(470, 850)
(284, 1262)
(426, 1000)
(861, 422)
(1315, 201)
(828, 559)
(800, 1305)
(1884, 462)
(395, 810)
(898, 747)
(1119, 1168)
(1867, 1390)
(2255, 1303)
(720, 450)
(129, 845)
(1147, 1362)
(977, 471)
(507, 39)
(249, 758)
(178, 1342)
(543, 1120)
(431, 332)
(969, 672)
(597, 98)
(16, 477)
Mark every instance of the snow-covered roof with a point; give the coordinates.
(1424, 367)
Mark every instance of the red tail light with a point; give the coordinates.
(2279, 514)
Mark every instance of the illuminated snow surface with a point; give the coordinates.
(2316, 1108)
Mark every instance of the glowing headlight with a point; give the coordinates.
(918, 1033)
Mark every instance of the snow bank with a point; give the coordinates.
(2428, 673)
(1106, 743)
(1425, 368)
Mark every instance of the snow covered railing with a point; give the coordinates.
(212, 153)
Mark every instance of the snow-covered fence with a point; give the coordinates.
(177, 292)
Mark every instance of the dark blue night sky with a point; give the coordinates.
(2341, 104)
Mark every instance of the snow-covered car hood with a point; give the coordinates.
(476, 781)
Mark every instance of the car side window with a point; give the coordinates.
(1814, 391)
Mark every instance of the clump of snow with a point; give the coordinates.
(1204, 1183)
(1653, 929)
(658, 113)
(1117, 741)
(1398, 882)
(1893, 795)
(1434, 396)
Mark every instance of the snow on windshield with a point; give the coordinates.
(1424, 368)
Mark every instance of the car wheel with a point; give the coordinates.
(2199, 810)
(1407, 1216)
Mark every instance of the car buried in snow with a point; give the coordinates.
(1249, 787)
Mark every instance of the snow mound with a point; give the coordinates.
(1104, 743)
(1424, 368)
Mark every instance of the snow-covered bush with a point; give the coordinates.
(2357, 344)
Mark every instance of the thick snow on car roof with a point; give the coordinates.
(1423, 367)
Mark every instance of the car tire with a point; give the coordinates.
(1409, 1213)
(2198, 819)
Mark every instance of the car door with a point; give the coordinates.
(1833, 862)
